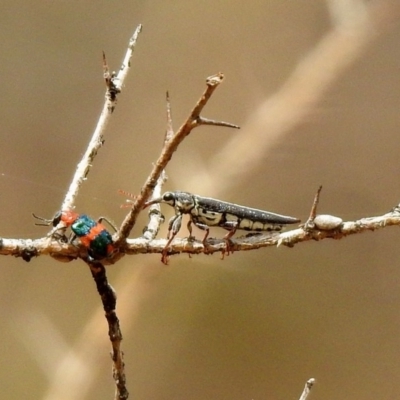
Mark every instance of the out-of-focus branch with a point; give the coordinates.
(347, 13)
(326, 62)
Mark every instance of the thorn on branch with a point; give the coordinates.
(169, 132)
(169, 148)
(206, 121)
(313, 211)
(309, 224)
(323, 222)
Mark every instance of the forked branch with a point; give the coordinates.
(170, 146)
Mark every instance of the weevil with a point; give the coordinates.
(205, 212)
(92, 234)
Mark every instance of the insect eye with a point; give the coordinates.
(168, 196)
(57, 218)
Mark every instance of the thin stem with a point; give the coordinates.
(168, 150)
(97, 140)
(109, 300)
(307, 388)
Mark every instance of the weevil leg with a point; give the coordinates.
(174, 225)
(203, 227)
(227, 237)
(191, 237)
(189, 226)
(164, 253)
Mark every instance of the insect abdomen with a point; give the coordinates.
(246, 216)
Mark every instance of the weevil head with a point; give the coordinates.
(182, 201)
(168, 198)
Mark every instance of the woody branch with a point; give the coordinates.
(170, 146)
(114, 84)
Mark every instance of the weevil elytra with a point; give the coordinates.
(205, 212)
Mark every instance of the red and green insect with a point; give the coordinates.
(93, 235)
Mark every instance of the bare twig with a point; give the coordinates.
(169, 132)
(279, 114)
(168, 150)
(325, 226)
(109, 300)
(114, 85)
(156, 218)
(289, 238)
(307, 389)
(313, 211)
(323, 222)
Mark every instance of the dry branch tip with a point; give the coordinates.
(309, 224)
(206, 121)
(307, 388)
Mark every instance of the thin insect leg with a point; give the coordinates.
(174, 226)
(101, 219)
(60, 237)
(205, 237)
(204, 227)
(164, 253)
(189, 226)
(227, 240)
(205, 242)
(190, 238)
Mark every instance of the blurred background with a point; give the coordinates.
(315, 87)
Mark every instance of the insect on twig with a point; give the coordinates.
(206, 212)
(92, 234)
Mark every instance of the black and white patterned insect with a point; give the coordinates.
(205, 212)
